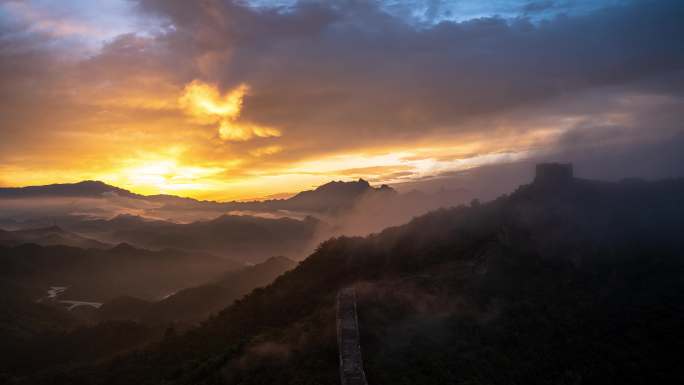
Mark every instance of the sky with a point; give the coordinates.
(221, 99)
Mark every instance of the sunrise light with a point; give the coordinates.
(205, 103)
(155, 176)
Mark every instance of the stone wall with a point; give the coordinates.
(348, 340)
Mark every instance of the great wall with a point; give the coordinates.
(348, 340)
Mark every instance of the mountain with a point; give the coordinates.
(98, 275)
(332, 196)
(562, 281)
(238, 229)
(248, 236)
(245, 280)
(49, 236)
(40, 335)
(240, 237)
(197, 303)
(328, 197)
(352, 208)
(88, 188)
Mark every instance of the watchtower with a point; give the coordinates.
(553, 173)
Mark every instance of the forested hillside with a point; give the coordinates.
(569, 282)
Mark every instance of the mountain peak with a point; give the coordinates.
(90, 182)
(360, 185)
(332, 196)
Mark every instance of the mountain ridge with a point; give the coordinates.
(95, 188)
(195, 303)
(49, 236)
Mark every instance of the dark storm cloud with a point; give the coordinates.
(347, 65)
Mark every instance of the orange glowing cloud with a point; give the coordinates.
(206, 105)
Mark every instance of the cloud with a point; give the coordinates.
(204, 102)
(290, 91)
(351, 67)
(537, 6)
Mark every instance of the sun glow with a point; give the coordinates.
(163, 176)
(205, 104)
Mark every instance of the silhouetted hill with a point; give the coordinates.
(244, 280)
(571, 282)
(240, 237)
(197, 303)
(97, 275)
(327, 198)
(49, 236)
(125, 308)
(68, 348)
(88, 188)
(332, 196)
(23, 317)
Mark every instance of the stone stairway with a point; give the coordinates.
(351, 362)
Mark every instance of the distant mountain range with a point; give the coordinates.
(329, 197)
(241, 237)
(248, 236)
(49, 236)
(100, 275)
(246, 231)
(197, 303)
(88, 188)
